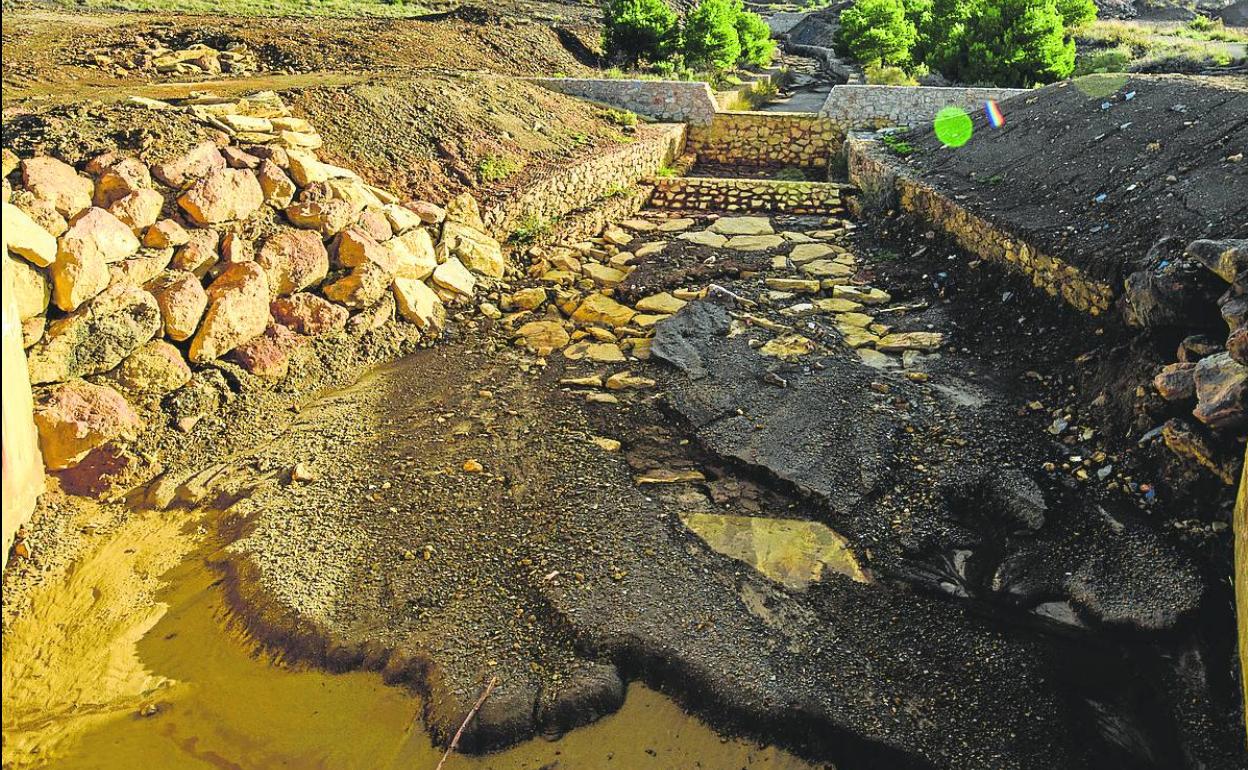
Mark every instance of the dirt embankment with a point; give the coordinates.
(50, 56)
(1098, 170)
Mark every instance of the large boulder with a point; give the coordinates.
(59, 184)
(97, 336)
(1221, 385)
(1226, 258)
(139, 210)
(414, 254)
(306, 313)
(156, 367)
(27, 238)
(224, 195)
(477, 251)
(354, 246)
(417, 303)
(94, 239)
(238, 310)
(29, 286)
(76, 417)
(454, 278)
(294, 260)
(276, 186)
(120, 178)
(44, 213)
(362, 287)
(182, 300)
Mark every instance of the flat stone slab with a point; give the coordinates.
(742, 226)
(676, 225)
(754, 242)
(704, 238)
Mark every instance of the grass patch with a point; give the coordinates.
(1111, 45)
(878, 75)
(496, 168)
(665, 171)
(530, 230)
(897, 144)
(621, 118)
(332, 8)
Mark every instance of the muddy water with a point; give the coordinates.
(135, 660)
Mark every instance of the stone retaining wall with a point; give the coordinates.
(767, 139)
(674, 101)
(715, 194)
(885, 182)
(577, 186)
(854, 107)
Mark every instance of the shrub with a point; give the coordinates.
(878, 75)
(757, 47)
(638, 30)
(1076, 13)
(710, 35)
(877, 32)
(496, 168)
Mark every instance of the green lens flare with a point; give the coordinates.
(953, 126)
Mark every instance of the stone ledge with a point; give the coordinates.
(730, 195)
(856, 107)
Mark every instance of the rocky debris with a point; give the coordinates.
(238, 310)
(76, 417)
(543, 337)
(150, 57)
(27, 238)
(96, 337)
(155, 367)
(308, 314)
(224, 195)
(1175, 382)
(294, 260)
(601, 309)
(58, 184)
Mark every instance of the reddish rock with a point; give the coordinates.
(43, 213)
(224, 195)
(200, 252)
(277, 187)
(306, 313)
(77, 417)
(239, 158)
(1175, 381)
(375, 223)
(59, 184)
(119, 179)
(138, 210)
(166, 233)
(354, 247)
(156, 367)
(80, 271)
(1221, 384)
(196, 163)
(268, 355)
(238, 310)
(182, 300)
(294, 260)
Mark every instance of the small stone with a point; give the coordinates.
(473, 466)
(543, 337)
(200, 254)
(1175, 382)
(599, 308)
(529, 299)
(182, 300)
(477, 251)
(1221, 387)
(808, 252)
(675, 225)
(628, 381)
(753, 242)
(797, 285)
(328, 217)
(925, 341)
(701, 238)
(661, 303)
(166, 233)
(788, 347)
(308, 314)
(364, 286)
(302, 473)
(603, 275)
(267, 355)
(606, 444)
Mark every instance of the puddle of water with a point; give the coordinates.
(791, 552)
(141, 626)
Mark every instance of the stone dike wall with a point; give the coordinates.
(575, 187)
(883, 181)
(730, 195)
(859, 107)
(669, 101)
(765, 139)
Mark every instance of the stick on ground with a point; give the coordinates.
(489, 688)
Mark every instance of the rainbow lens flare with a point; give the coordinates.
(953, 126)
(995, 118)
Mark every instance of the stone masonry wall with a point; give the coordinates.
(884, 181)
(577, 186)
(854, 107)
(714, 194)
(766, 139)
(674, 101)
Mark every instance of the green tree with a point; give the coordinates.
(1016, 43)
(1076, 13)
(757, 47)
(638, 30)
(877, 32)
(710, 36)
